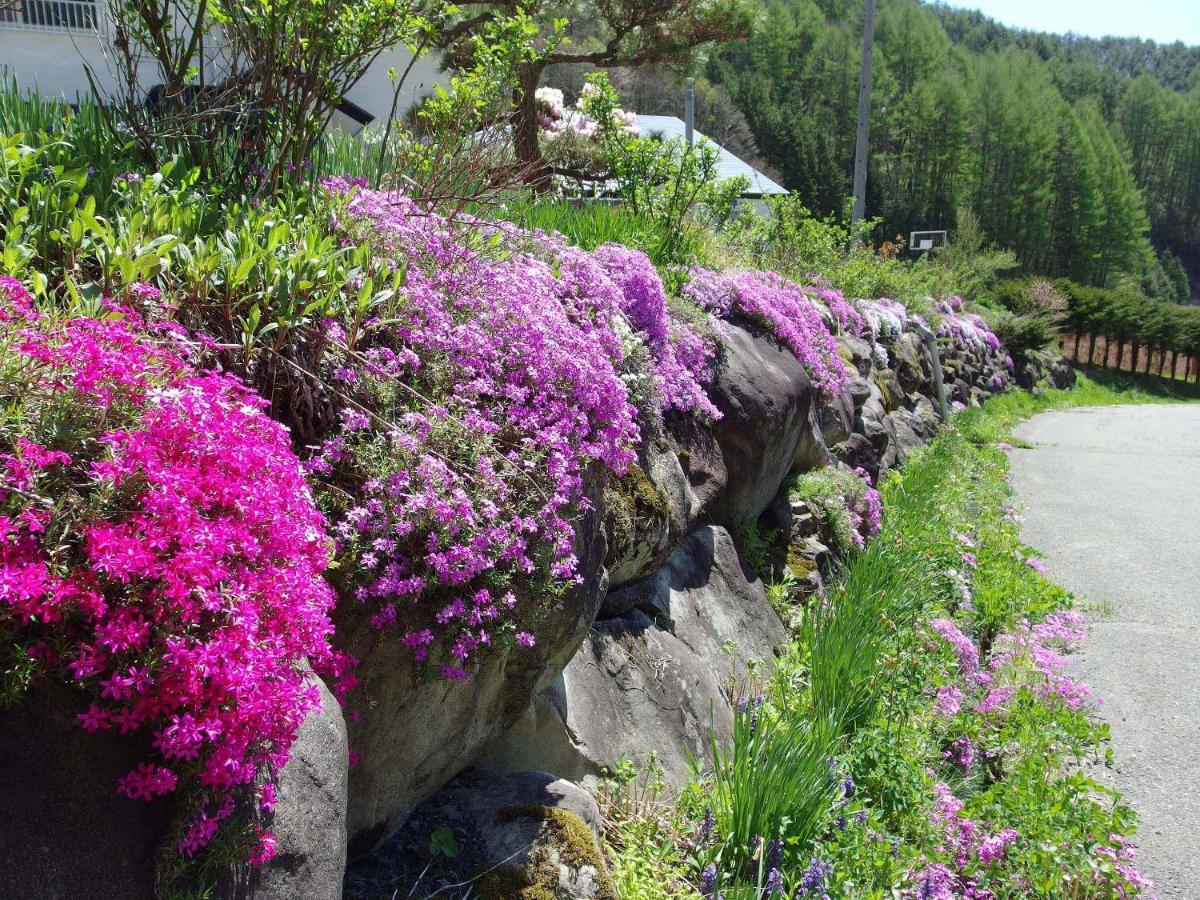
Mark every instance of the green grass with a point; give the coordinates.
(1096, 387)
(586, 225)
(856, 687)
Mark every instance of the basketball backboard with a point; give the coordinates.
(926, 241)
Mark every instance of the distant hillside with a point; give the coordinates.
(1082, 155)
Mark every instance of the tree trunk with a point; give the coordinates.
(1162, 362)
(1091, 347)
(1174, 363)
(1077, 337)
(1133, 362)
(525, 129)
(1120, 354)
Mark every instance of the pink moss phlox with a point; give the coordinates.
(963, 646)
(847, 317)
(868, 511)
(781, 306)
(16, 305)
(1042, 647)
(192, 594)
(519, 343)
(965, 329)
(681, 358)
(948, 701)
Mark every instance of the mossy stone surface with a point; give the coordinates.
(563, 863)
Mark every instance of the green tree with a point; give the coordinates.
(611, 33)
(1077, 210)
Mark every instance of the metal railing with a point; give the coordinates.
(50, 15)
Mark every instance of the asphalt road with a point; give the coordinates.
(1112, 499)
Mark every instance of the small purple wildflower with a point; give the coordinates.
(815, 878)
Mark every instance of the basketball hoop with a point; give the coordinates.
(926, 241)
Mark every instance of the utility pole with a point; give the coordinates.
(689, 111)
(864, 119)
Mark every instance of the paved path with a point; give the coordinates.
(1112, 499)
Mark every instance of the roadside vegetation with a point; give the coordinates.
(409, 361)
(923, 736)
(426, 384)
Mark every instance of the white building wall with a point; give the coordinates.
(375, 91)
(52, 62)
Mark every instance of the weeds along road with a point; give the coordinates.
(1112, 499)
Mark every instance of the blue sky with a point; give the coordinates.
(1162, 20)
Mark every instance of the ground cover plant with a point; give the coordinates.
(454, 393)
(430, 401)
(924, 736)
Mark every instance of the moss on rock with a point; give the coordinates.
(635, 497)
(564, 842)
(636, 515)
(799, 564)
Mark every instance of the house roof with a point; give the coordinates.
(728, 165)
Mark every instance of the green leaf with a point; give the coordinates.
(442, 841)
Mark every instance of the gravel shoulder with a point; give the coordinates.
(1112, 500)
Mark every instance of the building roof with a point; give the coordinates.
(728, 165)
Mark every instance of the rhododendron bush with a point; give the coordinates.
(159, 547)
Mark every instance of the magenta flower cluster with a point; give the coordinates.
(969, 844)
(680, 357)
(865, 509)
(783, 307)
(170, 561)
(1040, 648)
(965, 329)
(1122, 856)
(509, 371)
(848, 318)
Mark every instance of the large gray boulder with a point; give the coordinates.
(1045, 367)
(70, 835)
(414, 735)
(911, 362)
(637, 523)
(309, 822)
(856, 353)
(837, 417)
(656, 678)
(858, 452)
(911, 432)
(507, 834)
(770, 424)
